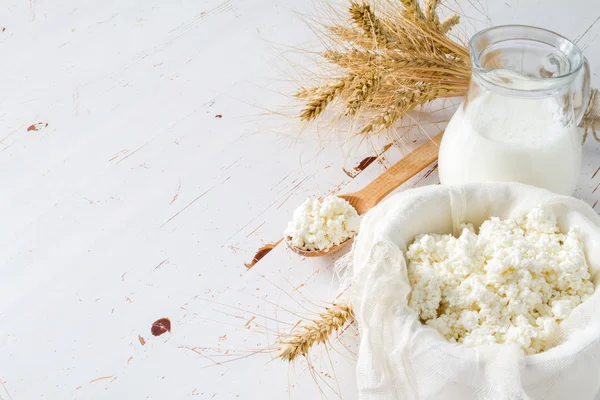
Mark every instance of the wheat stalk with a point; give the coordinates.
(298, 342)
(391, 62)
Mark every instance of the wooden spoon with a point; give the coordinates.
(369, 196)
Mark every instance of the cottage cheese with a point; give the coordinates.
(320, 225)
(511, 283)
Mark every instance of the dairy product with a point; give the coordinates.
(320, 225)
(511, 283)
(501, 138)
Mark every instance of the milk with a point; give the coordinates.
(501, 138)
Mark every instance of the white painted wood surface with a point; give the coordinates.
(140, 171)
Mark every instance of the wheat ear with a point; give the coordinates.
(306, 92)
(363, 16)
(449, 23)
(321, 99)
(430, 12)
(412, 10)
(298, 342)
(365, 86)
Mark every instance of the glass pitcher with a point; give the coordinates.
(519, 120)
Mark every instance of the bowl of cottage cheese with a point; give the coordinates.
(479, 291)
(509, 281)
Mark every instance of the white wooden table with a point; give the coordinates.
(140, 171)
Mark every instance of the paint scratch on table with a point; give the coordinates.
(430, 171)
(121, 152)
(32, 5)
(256, 229)
(335, 190)
(315, 273)
(263, 251)
(365, 162)
(9, 135)
(166, 260)
(281, 180)
(101, 378)
(247, 324)
(225, 168)
(161, 326)
(135, 151)
(383, 162)
(37, 127)
(108, 19)
(6, 147)
(298, 184)
(187, 28)
(283, 202)
(75, 99)
(176, 194)
(186, 207)
(4, 387)
(233, 247)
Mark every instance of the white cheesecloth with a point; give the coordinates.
(402, 359)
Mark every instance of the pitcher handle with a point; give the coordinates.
(586, 91)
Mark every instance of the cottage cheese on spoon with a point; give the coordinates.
(320, 225)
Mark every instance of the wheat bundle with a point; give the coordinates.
(392, 62)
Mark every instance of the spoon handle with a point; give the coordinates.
(403, 170)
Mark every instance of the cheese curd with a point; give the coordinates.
(511, 283)
(320, 225)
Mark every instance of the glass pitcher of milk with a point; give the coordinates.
(519, 120)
